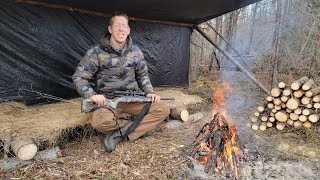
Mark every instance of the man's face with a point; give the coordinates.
(119, 29)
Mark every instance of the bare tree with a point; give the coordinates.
(276, 41)
(252, 27)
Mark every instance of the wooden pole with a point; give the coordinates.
(234, 61)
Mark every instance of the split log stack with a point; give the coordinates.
(295, 105)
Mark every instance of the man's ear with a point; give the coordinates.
(109, 29)
(129, 30)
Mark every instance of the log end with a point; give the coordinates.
(27, 152)
(184, 115)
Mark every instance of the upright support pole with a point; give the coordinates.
(234, 61)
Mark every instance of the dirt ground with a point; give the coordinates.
(165, 153)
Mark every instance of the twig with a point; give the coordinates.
(44, 95)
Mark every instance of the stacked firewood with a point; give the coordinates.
(296, 105)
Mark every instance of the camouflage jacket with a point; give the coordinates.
(104, 69)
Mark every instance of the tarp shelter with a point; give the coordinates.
(41, 42)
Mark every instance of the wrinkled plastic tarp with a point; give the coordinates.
(41, 47)
(187, 11)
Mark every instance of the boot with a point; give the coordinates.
(111, 142)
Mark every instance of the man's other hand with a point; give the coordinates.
(99, 99)
(155, 98)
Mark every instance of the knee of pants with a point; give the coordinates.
(161, 109)
(101, 118)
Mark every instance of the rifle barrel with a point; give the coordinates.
(167, 99)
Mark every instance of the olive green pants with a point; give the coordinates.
(106, 119)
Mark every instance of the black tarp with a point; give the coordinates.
(40, 48)
(187, 11)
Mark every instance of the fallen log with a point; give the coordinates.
(179, 114)
(303, 118)
(297, 124)
(308, 85)
(305, 100)
(296, 85)
(309, 105)
(313, 92)
(298, 111)
(292, 103)
(255, 126)
(307, 112)
(264, 118)
(269, 124)
(294, 116)
(281, 85)
(263, 126)
(316, 105)
(280, 126)
(260, 108)
(277, 107)
(316, 99)
(270, 105)
(281, 116)
(275, 92)
(272, 119)
(24, 148)
(269, 98)
(14, 162)
(277, 101)
(254, 119)
(256, 114)
(298, 93)
(174, 124)
(290, 122)
(313, 118)
(284, 98)
(49, 154)
(307, 125)
(195, 117)
(287, 92)
(288, 110)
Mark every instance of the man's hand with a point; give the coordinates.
(99, 99)
(155, 98)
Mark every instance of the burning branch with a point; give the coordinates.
(216, 147)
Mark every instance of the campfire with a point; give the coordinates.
(216, 145)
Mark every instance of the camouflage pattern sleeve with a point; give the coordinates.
(85, 72)
(142, 76)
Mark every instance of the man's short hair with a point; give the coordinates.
(117, 13)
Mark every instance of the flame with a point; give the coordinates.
(220, 91)
(228, 157)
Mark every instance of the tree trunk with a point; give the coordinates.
(276, 42)
(252, 27)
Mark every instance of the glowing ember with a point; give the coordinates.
(216, 145)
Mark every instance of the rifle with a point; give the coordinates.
(127, 97)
